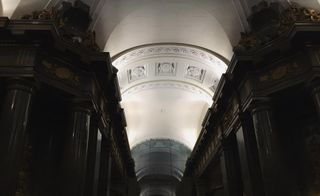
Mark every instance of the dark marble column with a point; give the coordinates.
(13, 124)
(109, 174)
(230, 167)
(97, 164)
(93, 156)
(105, 168)
(274, 176)
(249, 158)
(200, 186)
(76, 148)
(316, 98)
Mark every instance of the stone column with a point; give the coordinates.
(273, 171)
(200, 186)
(230, 167)
(76, 148)
(249, 158)
(109, 173)
(97, 168)
(105, 168)
(93, 156)
(13, 124)
(316, 98)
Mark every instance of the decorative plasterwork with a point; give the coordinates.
(171, 62)
(166, 91)
(167, 84)
(137, 73)
(169, 50)
(214, 86)
(166, 69)
(195, 73)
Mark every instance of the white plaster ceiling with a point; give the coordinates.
(212, 24)
(169, 21)
(8, 7)
(166, 90)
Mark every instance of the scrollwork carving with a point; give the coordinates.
(72, 22)
(269, 20)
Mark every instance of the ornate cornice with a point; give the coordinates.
(183, 67)
(167, 84)
(169, 50)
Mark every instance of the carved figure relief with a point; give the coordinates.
(214, 85)
(166, 69)
(195, 73)
(137, 73)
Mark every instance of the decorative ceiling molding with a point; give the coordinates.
(178, 63)
(169, 50)
(196, 73)
(166, 69)
(137, 73)
(160, 78)
(174, 84)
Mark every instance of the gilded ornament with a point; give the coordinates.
(313, 14)
(61, 72)
(279, 72)
(64, 17)
(284, 19)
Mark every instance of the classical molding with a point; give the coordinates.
(182, 64)
(136, 73)
(169, 50)
(175, 84)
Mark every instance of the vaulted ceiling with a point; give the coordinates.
(170, 55)
(126, 27)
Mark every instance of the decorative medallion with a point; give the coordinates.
(60, 72)
(279, 72)
(195, 73)
(166, 69)
(137, 73)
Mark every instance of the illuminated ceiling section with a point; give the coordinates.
(8, 7)
(166, 90)
(170, 22)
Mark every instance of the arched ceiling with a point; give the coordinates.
(169, 21)
(170, 55)
(166, 90)
(8, 7)
(215, 18)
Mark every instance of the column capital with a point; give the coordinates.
(82, 105)
(260, 105)
(22, 84)
(315, 88)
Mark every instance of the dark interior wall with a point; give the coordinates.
(298, 127)
(41, 172)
